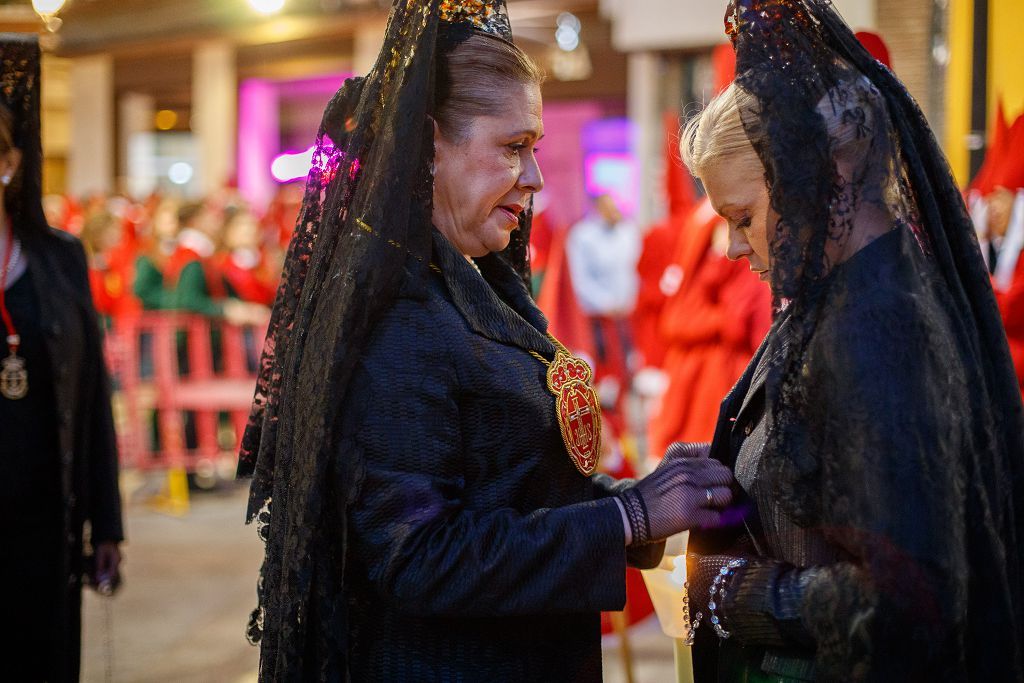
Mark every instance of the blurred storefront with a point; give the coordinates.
(191, 95)
(669, 45)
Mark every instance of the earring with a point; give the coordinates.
(433, 169)
(6, 179)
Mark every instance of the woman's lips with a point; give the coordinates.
(512, 216)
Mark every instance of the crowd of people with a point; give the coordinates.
(215, 257)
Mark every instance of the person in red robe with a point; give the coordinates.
(997, 201)
(247, 273)
(711, 326)
(659, 246)
(110, 267)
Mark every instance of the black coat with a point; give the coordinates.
(478, 551)
(88, 449)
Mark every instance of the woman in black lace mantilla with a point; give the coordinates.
(59, 496)
(878, 432)
(428, 515)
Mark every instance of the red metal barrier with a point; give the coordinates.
(166, 368)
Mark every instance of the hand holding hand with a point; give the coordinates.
(681, 494)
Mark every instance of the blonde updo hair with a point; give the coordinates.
(717, 132)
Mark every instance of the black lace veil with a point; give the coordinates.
(842, 141)
(364, 227)
(19, 93)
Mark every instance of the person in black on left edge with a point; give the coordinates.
(58, 457)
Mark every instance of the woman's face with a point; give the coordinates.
(737, 190)
(242, 232)
(485, 180)
(165, 222)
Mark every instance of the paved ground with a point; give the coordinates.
(189, 586)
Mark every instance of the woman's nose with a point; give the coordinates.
(738, 245)
(531, 179)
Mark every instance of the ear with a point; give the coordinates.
(12, 161)
(439, 139)
(440, 143)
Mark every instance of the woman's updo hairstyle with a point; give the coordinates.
(472, 80)
(717, 132)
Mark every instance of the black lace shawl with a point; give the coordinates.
(367, 206)
(923, 435)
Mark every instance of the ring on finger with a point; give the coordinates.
(710, 494)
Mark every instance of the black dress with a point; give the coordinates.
(59, 472)
(30, 500)
(882, 586)
(478, 551)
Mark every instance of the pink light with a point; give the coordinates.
(292, 165)
(259, 128)
(614, 174)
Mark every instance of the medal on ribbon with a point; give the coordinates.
(578, 409)
(13, 377)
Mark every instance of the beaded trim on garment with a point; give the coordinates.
(489, 16)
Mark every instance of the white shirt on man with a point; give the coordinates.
(602, 262)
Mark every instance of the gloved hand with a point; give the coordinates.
(687, 449)
(701, 573)
(682, 493)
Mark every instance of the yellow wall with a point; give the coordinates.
(958, 87)
(1006, 56)
(1005, 73)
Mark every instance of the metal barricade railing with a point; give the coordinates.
(175, 376)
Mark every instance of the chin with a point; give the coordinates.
(498, 238)
(495, 246)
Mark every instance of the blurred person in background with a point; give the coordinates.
(58, 458)
(602, 252)
(192, 278)
(248, 273)
(158, 244)
(190, 274)
(278, 221)
(427, 514)
(110, 266)
(712, 322)
(657, 276)
(57, 209)
(878, 434)
(996, 198)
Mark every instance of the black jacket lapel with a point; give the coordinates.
(494, 302)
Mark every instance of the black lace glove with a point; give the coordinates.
(701, 571)
(682, 493)
(687, 449)
(761, 601)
